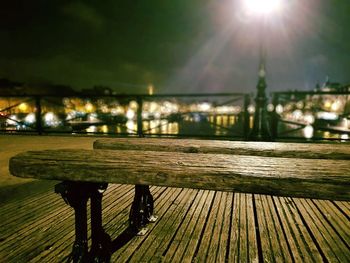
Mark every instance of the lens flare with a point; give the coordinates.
(262, 6)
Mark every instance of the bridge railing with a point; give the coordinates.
(211, 115)
(318, 115)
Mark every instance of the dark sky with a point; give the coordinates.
(179, 46)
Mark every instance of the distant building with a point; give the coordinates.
(10, 88)
(333, 86)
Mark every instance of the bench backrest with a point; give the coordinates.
(267, 149)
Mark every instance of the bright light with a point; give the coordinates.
(130, 114)
(279, 109)
(270, 107)
(23, 107)
(309, 118)
(51, 119)
(30, 118)
(12, 120)
(205, 106)
(89, 107)
(262, 6)
(308, 132)
(344, 137)
(251, 109)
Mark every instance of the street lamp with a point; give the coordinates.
(261, 129)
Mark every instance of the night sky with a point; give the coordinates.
(178, 46)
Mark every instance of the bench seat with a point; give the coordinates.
(295, 177)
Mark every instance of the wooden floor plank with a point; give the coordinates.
(220, 234)
(299, 240)
(62, 246)
(330, 244)
(344, 207)
(199, 227)
(209, 233)
(233, 253)
(155, 254)
(193, 227)
(336, 219)
(184, 234)
(225, 229)
(163, 228)
(161, 208)
(116, 205)
(278, 241)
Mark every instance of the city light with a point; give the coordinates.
(308, 132)
(23, 107)
(30, 118)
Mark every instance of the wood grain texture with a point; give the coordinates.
(309, 178)
(267, 149)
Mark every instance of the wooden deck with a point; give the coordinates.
(193, 226)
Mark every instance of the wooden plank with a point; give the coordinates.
(158, 240)
(301, 243)
(344, 207)
(184, 234)
(207, 249)
(250, 174)
(225, 228)
(218, 243)
(199, 228)
(335, 218)
(243, 241)
(274, 244)
(267, 149)
(333, 249)
(234, 246)
(125, 253)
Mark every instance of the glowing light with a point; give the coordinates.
(270, 107)
(327, 104)
(279, 109)
(89, 107)
(330, 116)
(23, 107)
(92, 129)
(133, 105)
(30, 118)
(309, 118)
(12, 120)
(130, 114)
(104, 128)
(51, 119)
(251, 109)
(130, 125)
(344, 136)
(150, 89)
(92, 117)
(262, 6)
(335, 105)
(205, 106)
(308, 132)
(117, 111)
(297, 114)
(300, 105)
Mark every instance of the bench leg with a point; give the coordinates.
(100, 240)
(141, 212)
(76, 196)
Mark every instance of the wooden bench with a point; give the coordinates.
(285, 169)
